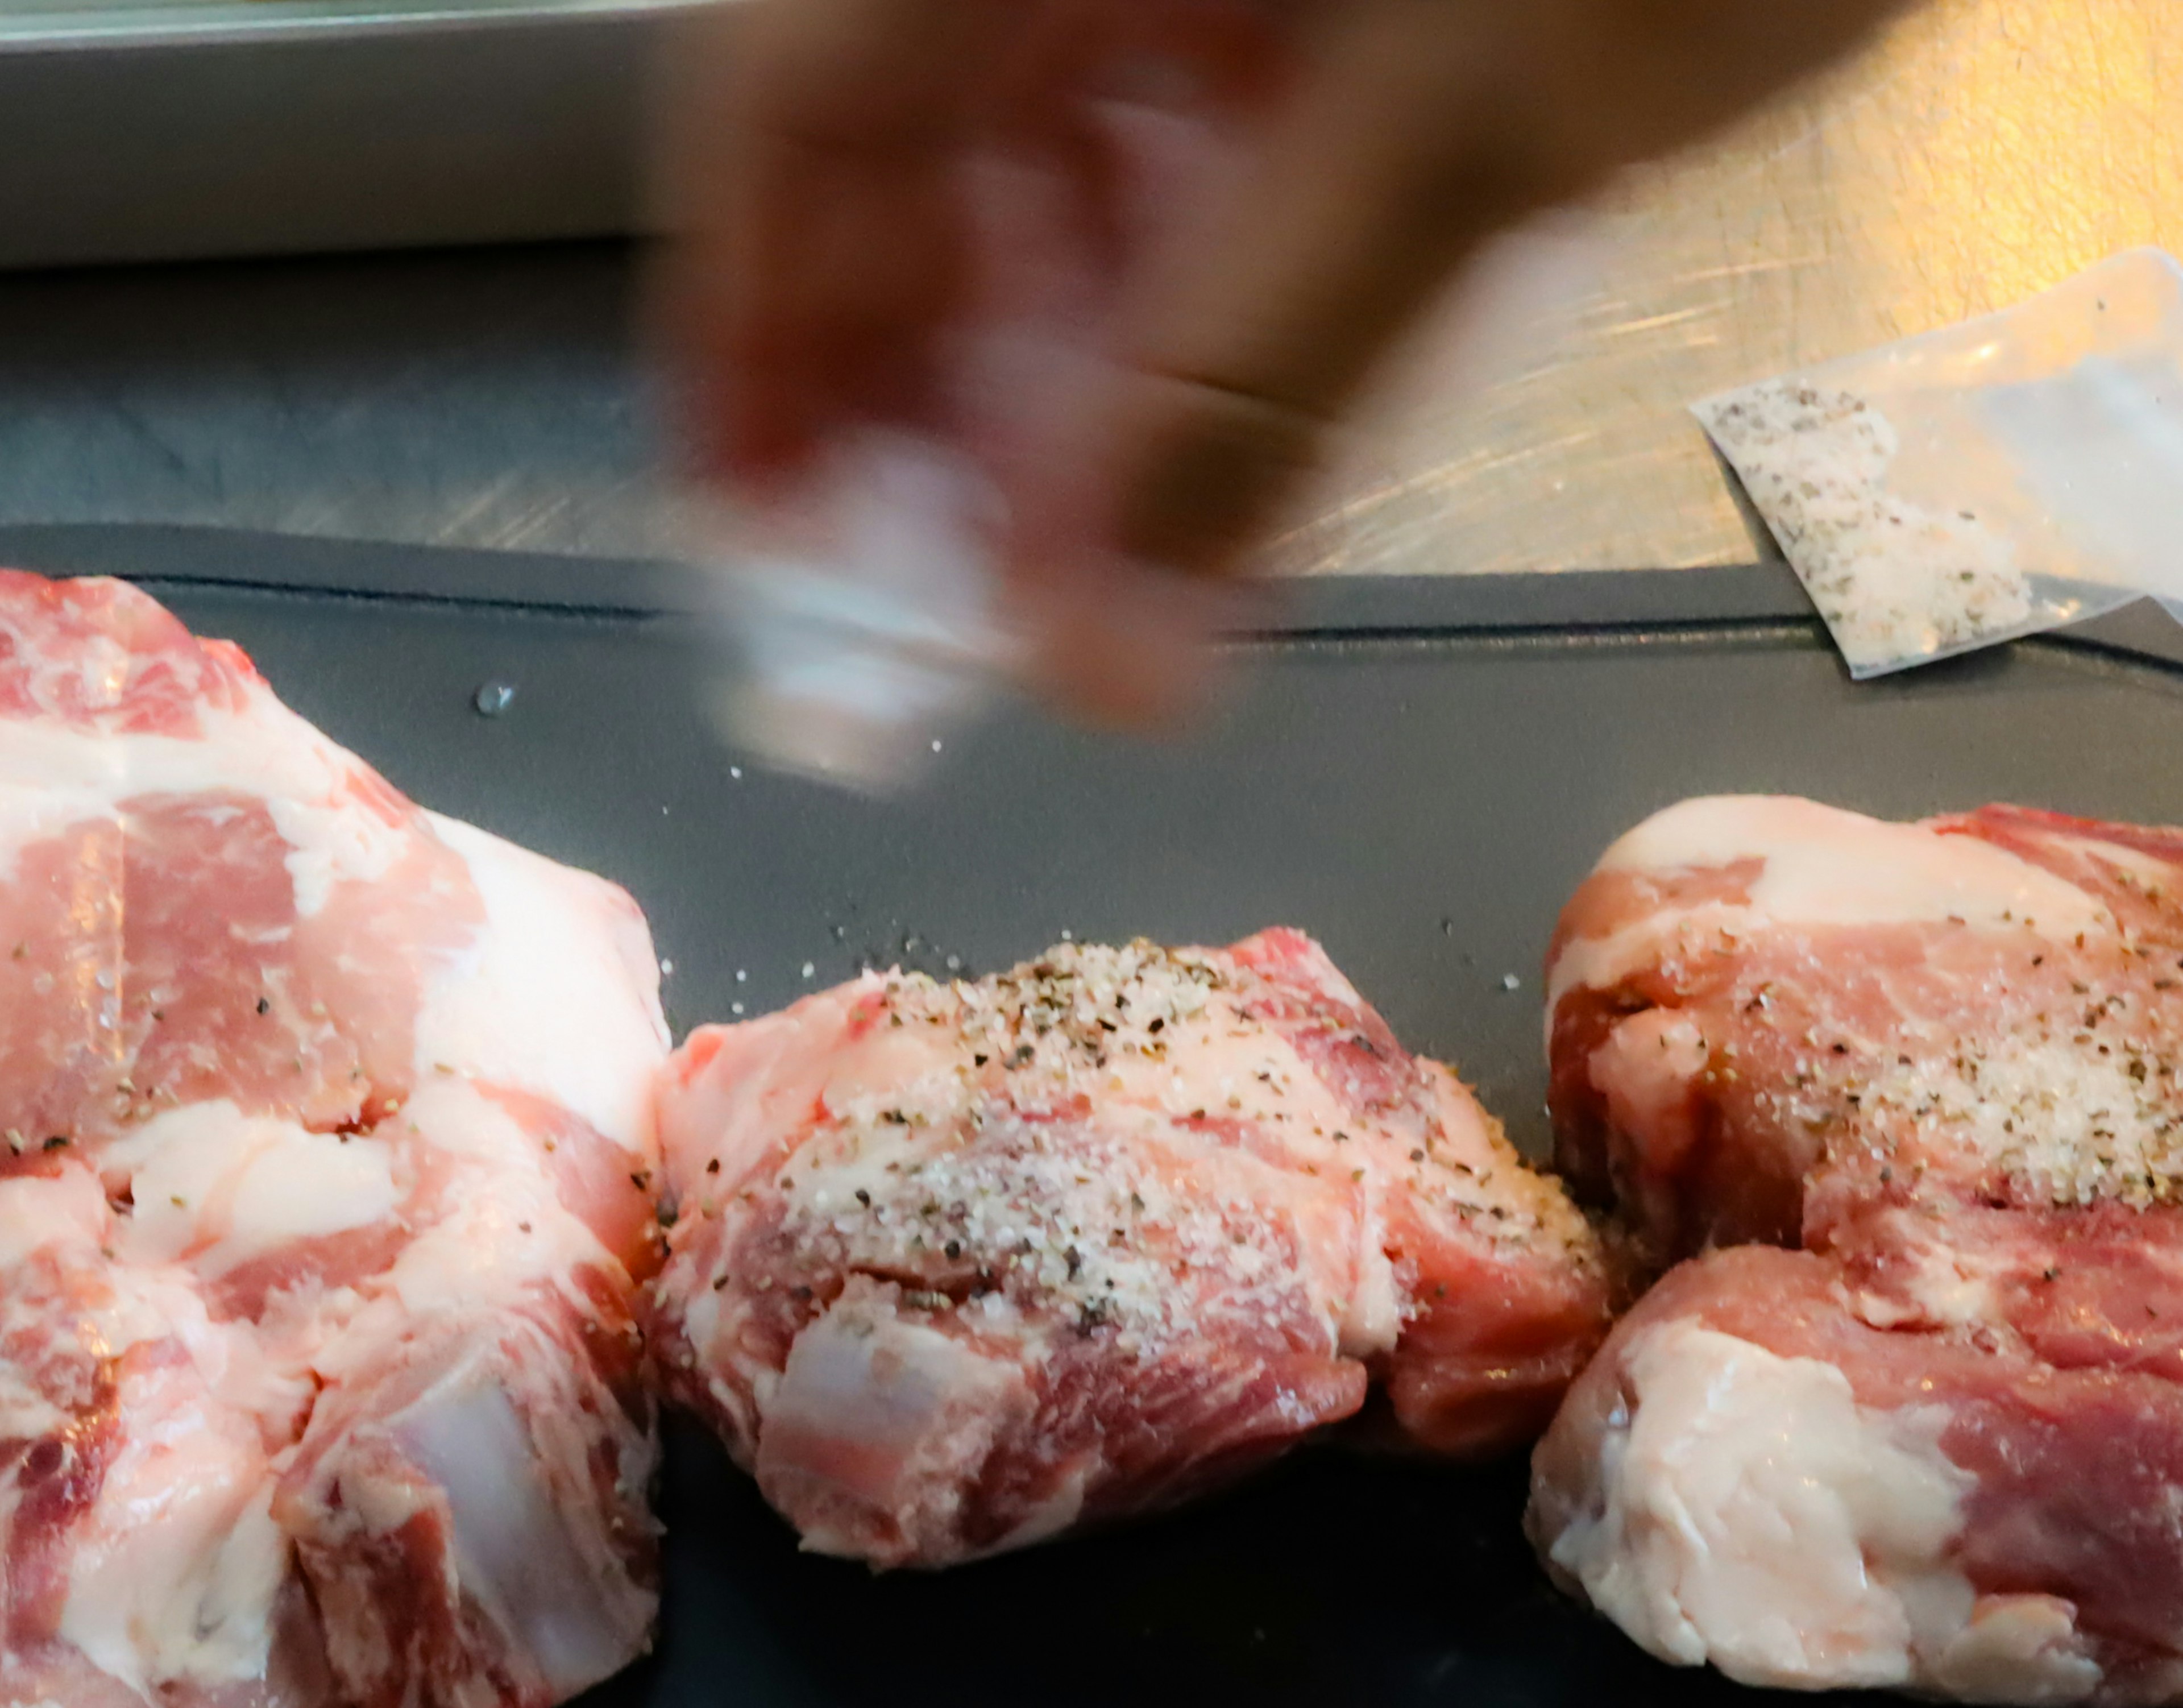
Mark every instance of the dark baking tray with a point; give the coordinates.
(1416, 771)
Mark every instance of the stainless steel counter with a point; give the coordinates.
(1986, 150)
(487, 397)
(1989, 148)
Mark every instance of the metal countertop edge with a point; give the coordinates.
(1601, 603)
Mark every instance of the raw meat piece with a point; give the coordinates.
(324, 1192)
(1941, 1444)
(957, 1266)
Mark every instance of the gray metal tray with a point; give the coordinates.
(1416, 771)
(139, 130)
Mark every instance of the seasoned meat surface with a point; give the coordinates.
(1937, 1440)
(957, 1267)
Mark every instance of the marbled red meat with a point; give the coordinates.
(957, 1266)
(319, 1382)
(1938, 1444)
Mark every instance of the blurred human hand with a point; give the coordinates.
(1136, 256)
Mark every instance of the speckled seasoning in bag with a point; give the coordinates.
(1991, 480)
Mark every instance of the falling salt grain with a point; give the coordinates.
(743, 976)
(666, 969)
(936, 747)
(1510, 982)
(734, 1008)
(736, 772)
(808, 969)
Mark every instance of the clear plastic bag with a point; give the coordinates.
(1996, 479)
(861, 610)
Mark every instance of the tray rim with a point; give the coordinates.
(184, 24)
(1629, 604)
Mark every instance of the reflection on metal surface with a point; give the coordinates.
(1989, 148)
(484, 397)
(1986, 150)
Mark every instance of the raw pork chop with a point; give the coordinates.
(327, 1134)
(960, 1266)
(1940, 1444)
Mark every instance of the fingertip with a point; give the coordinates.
(1201, 470)
(1131, 646)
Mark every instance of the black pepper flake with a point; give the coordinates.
(978, 1060)
(714, 1167)
(1155, 1024)
(719, 1282)
(953, 1249)
(57, 1142)
(641, 1179)
(863, 1198)
(265, 1005)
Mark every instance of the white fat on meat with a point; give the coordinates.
(53, 776)
(175, 1576)
(66, 1215)
(511, 1544)
(222, 1187)
(875, 1415)
(36, 1211)
(505, 1228)
(1748, 1512)
(1820, 866)
(521, 1009)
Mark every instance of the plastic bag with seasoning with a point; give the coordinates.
(1988, 480)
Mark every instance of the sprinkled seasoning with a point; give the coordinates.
(1056, 1212)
